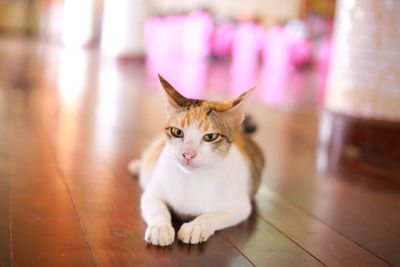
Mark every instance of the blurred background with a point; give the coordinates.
(239, 44)
(284, 49)
(317, 56)
(323, 57)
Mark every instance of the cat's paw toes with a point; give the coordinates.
(134, 166)
(194, 233)
(161, 235)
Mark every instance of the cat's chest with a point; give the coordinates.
(195, 195)
(205, 191)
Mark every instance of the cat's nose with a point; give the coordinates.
(189, 154)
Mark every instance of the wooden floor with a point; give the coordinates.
(70, 121)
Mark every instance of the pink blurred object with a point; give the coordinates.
(222, 40)
(298, 42)
(176, 48)
(179, 36)
(197, 33)
(186, 75)
(283, 49)
(301, 52)
(245, 56)
(163, 36)
(276, 64)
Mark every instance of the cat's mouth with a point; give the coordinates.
(187, 166)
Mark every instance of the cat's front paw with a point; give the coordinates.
(194, 233)
(161, 235)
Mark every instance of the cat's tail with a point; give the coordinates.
(248, 125)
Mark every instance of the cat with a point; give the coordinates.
(204, 167)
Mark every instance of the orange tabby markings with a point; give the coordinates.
(219, 117)
(149, 158)
(254, 157)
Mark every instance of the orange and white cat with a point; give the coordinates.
(204, 167)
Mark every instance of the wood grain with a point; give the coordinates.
(44, 221)
(5, 237)
(261, 243)
(331, 248)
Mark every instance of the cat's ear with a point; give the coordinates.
(175, 99)
(233, 109)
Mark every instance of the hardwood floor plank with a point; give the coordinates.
(5, 253)
(217, 251)
(364, 216)
(261, 243)
(46, 230)
(113, 225)
(320, 240)
(5, 237)
(45, 227)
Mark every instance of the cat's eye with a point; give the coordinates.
(210, 137)
(176, 132)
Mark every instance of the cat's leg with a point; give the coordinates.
(201, 228)
(159, 228)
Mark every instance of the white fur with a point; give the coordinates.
(215, 190)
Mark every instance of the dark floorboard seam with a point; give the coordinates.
(227, 239)
(10, 224)
(53, 152)
(11, 128)
(288, 237)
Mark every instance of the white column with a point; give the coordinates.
(78, 22)
(122, 31)
(364, 77)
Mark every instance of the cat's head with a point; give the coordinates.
(200, 132)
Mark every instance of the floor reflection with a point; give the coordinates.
(107, 108)
(72, 77)
(359, 150)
